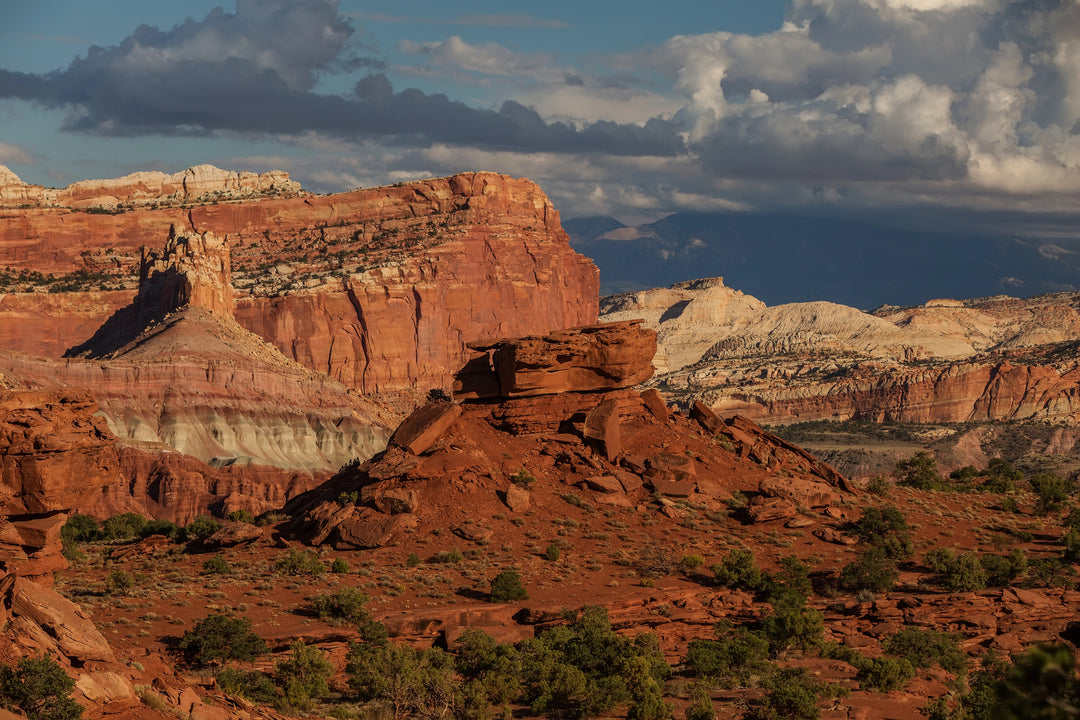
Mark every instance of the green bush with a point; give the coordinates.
(690, 562)
(80, 528)
(348, 604)
(919, 471)
(791, 627)
(884, 673)
(217, 565)
(872, 571)
(126, 526)
(490, 671)
(412, 560)
(1050, 492)
(1041, 685)
(790, 586)
(584, 669)
(201, 528)
(340, 566)
(552, 552)
(220, 637)
(406, 681)
(447, 556)
(39, 689)
(252, 685)
(1002, 570)
(700, 706)
(1001, 477)
(738, 570)
(791, 695)
(879, 486)
(927, 648)
(161, 527)
(119, 582)
(304, 675)
(242, 516)
(507, 587)
(732, 659)
(523, 477)
(886, 528)
(299, 562)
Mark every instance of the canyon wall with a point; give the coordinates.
(377, 288)
(980, 360)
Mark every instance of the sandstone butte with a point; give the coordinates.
(980, 360)
(379, 289)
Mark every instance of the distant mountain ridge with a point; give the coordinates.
(862, 261)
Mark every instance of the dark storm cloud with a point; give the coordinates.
(256, 70)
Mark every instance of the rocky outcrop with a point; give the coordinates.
(586, 359)
(193, 270)
(199, 183)
(485, 454)
(980, 360)
(380, 289)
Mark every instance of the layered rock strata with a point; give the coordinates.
(453, 462)
(379, 289)
(980, 360)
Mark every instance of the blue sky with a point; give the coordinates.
(631, 108)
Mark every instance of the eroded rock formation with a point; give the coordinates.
(380, 289)
(947, 361)
(451, 463)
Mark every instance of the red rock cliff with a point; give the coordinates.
(378, 288)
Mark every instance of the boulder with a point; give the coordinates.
(234, 533)
(763, 509)
(602, 427)
(516, 498)
(72, 631)
(604, 484)
(427, 424)
(802, 491)
(584, 359)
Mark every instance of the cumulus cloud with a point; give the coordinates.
(13, 154)
(255, 71)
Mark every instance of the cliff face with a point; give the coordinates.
(979, 360)
(379, 288)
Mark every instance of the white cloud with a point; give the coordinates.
(13, 154)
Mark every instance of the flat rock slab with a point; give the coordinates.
(673, 488)
(69, 627)
(420, 430)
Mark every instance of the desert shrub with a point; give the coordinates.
(1009, 504)
(490, 671)
(700, 706)
(927, 648)
(872, 570)
(125, 526)
(886, 528)
(884, 673)
(1050, 572)
(730, 660)
(738, 570)
(340, 566)
(299, 562)
(790, 586)
(347, 604)
(507, 587)
(447, 556)
(689, 562)
(1042, 684)
(1002, 570)
(201, 528)
(348, 497)
(523, 477)
(920, 472)
(965, 573)
(791, 695)
(119, 582)
(217, 565)
(585, 669)
(1071, 545)
(790, 627)
(964, 478)
(406, 681)
(1050, 492)
(304, 675)
(39, 689)
(1001, 477)
(161, 527)
(80, 528)
(412, 560)
(879, 486)
(220, 637)
(252, 685)
(552, 552)
(243, 516)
